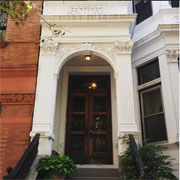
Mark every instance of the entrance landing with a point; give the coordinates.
(99, 174)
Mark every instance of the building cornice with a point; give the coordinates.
(71, 19)
(162, 29)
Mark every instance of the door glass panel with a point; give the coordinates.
(77, 143)
(99, 104)
(80, 83)
(78, 122)
(78, 104)
(99, 143)
(152, 102)
(100, 122)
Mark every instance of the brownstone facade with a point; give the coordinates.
(18, 72)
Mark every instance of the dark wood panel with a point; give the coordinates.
(91, 144)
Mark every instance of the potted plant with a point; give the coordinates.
(55, 167)
(157, 165)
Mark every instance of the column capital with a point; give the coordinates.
(123, 47)
(172, 55)
(49, 47)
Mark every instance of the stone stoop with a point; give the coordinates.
(93, 174)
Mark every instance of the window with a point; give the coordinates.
(174, 3)
(3, 24)
(152, 112)
(148, 72)
(143, 10)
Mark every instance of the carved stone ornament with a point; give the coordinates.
(86, 45)
(17, 98)
(49, 47)
(109, 49)
(123, 46)
(67, 49)
(106, 48)
(87, 10)
(172, 55)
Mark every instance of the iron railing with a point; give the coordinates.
(23, 166)
(139, 162)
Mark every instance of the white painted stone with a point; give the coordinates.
(106, 29)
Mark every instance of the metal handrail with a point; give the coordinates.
(138, 158)
(23, 166)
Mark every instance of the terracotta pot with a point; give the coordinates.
(50, 175)
(55, 175)
(3, 44)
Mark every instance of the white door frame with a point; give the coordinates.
(63, 107)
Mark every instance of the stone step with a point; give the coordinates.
(94, 173)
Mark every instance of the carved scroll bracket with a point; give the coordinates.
(123, 47)
(49, 47)
(172, 55)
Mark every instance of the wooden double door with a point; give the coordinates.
(89, 130)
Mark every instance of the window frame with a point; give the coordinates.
(147, 87)
(141, 92)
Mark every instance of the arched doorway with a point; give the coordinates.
(85, 120)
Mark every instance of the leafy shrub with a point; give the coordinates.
(62, 164)
(157, 166)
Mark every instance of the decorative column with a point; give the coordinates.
(45, 101)
(170, 81)
(124, 93)
(172, 57)
(172, 60)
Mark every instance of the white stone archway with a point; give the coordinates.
(53, 56)
(62, 93)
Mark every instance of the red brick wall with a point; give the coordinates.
(18, 70)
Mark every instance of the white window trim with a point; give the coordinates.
(148, 85)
